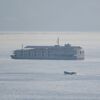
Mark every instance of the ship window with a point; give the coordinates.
(48, 53)
(42, 53)
(34, 53)
(29, 53)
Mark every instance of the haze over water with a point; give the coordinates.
(74, 21)
(89, 41)
(44, 79)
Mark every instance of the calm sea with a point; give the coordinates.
(45, 79)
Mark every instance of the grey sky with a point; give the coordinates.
(50, 15)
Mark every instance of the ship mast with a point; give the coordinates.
(58, 41)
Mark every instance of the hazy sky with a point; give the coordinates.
(50, 15)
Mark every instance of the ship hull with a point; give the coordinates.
(47, 58)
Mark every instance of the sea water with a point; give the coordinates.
(45, 79)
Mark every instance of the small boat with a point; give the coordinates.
(69, 73)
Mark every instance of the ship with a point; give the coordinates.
(55, 52)
(69, 73)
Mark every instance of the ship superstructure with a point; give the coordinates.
(56, 52)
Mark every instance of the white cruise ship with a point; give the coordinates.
(56, 52)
